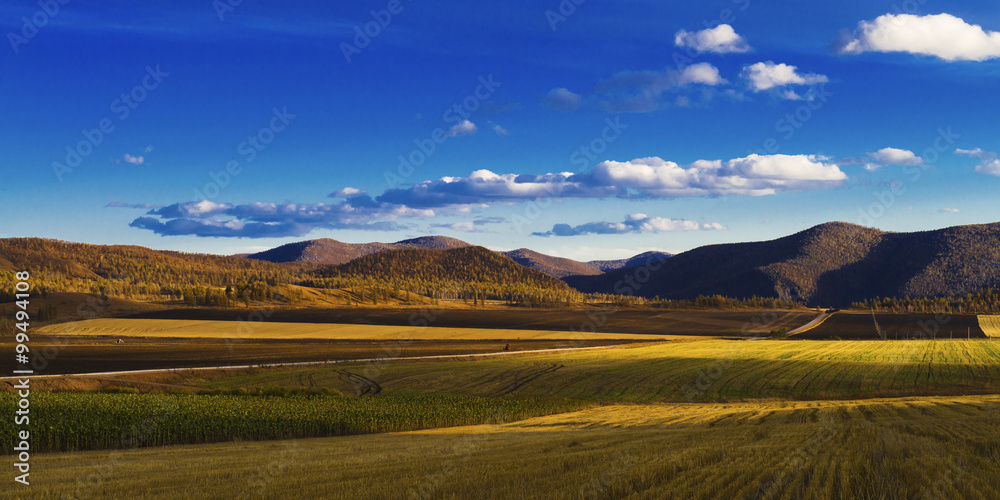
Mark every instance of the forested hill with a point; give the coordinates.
(832, 264)
(473, 268)
(553, 266)
(330, 251)
(143, 273)
(130, 271)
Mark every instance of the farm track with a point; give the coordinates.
(363, 386)
(521, 381)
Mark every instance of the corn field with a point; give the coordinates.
(68, 421)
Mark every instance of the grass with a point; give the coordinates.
(698, 371)
(942, 447)
(990, 325)
(248, 330)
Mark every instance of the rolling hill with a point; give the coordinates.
(468, 268)
(330, 251)
(127, 270)
(832, 264)
(557, 267)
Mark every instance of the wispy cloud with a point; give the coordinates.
(144, 206)
(989, 162)
(644, 91)
(561, 99)
(634, 223)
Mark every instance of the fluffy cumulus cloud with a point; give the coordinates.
(643, 91)
(561, 99)
(499, 130)
(721, 40)
(263, 220)
(633, 223)
(942, 35)
(768, 75)
(754, 175)
(892, 156)
(989, 162)
(465, 127)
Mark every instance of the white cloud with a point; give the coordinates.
(754, 175)
(942, 35)
(499, 130)
(464, 128)
(346, 193)
(135, 160)
(703, 73)
(989, 162)
(893, 156)
(634, 223)
(949, 210)
(768, 75)
(561, 99)
(721, 40)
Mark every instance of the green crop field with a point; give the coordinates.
(90, 421)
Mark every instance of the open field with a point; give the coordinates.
(990, 325)
(694, 417)
(853, 325)
(699, 371)
(586, 319)
(944, 447)
(90, 354)
(703, 370)
(237, 331)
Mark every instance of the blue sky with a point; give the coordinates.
(590, 130)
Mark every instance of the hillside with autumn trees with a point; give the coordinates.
(466, 272)
(140, 273)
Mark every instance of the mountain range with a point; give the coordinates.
(330, 251)
(831, 264)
